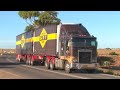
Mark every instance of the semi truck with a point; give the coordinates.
(64, 46)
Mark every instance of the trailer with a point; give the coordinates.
(64, 46)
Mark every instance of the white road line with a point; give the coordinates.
(10, 73)
(56, 72)
(52, 71)
(110, 75)
(61, 73)
(10, 61)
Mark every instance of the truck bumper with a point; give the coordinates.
(84, 66)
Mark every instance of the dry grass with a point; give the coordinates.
(7, 50)
(106, 52)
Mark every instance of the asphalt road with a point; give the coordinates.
(15, 70)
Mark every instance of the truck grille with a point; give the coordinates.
(84, 57)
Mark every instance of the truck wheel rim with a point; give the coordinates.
(46, 64)
(67, 67)
(51, 66)
(19, 59)
(28, 62)
(31, 62)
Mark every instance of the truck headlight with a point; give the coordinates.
(74, 61)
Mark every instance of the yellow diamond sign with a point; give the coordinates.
(43, 37)
(22, 41)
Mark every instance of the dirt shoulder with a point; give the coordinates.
(8, 75)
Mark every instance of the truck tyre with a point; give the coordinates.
(19, 59)
(32, 63)
(42, 62)
(67, 67)
(22, 59)
(27, 62)
(52, 65)
(47, 65)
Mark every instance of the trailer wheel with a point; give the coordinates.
(22, 59)
(32, 63)
(47, 65)
(67, 67)
(52, 65)
(19, 59)
(27, 62)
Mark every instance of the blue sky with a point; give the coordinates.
(105, 25)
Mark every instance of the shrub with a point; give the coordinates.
(113, 53)
(105, 61)
(109, 72)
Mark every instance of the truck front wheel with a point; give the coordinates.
(67, 67)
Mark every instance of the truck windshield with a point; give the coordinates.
(83, 42)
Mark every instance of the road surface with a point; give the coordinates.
(11, 69)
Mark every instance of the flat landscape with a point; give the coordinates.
(11, 69)
(107, 51)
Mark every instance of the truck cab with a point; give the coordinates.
(78, 48)
(83, 52)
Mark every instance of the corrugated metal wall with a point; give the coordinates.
(27, 47)
(50, 45)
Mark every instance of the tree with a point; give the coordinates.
(39, 18)
(48, 17)
(28, 28)
(29, 15)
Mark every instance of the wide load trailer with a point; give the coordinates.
(64, 46)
